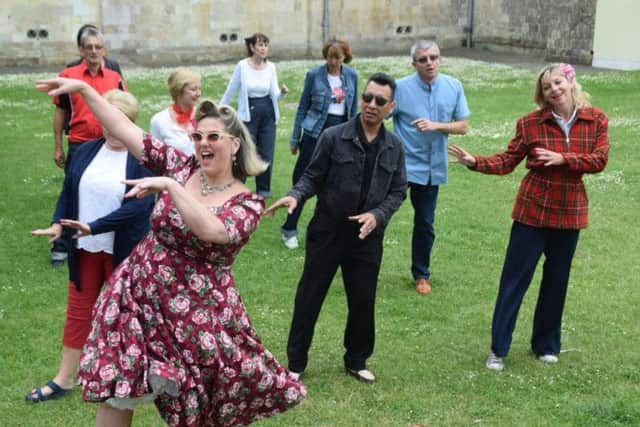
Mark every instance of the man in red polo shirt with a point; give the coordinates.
(83, 125)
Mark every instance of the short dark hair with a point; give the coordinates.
(81, 32)
(253, 39)
(383, 80)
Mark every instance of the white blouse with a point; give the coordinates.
(258, 82)
(165, 128)
(101, 192)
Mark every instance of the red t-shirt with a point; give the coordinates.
(84, 126)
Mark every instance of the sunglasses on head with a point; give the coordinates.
(211, 136)
(424, 59)
(381, 101)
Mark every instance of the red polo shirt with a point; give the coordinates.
(553, 196)
(84, 126)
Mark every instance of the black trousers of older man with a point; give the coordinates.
(328, 247)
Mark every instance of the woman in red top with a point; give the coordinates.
(563, 139)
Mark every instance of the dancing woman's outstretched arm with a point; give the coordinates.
(112, 119)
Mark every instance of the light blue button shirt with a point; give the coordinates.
(442, 101)
(565, 126)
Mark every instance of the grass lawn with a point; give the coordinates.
(430, 351)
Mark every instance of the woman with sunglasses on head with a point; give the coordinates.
(107, 227)
(562, 140)
(175, 124)
(171, 327)
(256, 81)
(329, 98)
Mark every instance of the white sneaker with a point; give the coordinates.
(290, 242)
(494, 362)
(548, 358)
(363, 375)
(295, 375)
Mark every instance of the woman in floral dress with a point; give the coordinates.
(170, 327)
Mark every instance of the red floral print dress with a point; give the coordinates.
(171, 327)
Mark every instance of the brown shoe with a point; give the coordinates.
(423, 286)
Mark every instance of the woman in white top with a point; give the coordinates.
(108, 227)
(175, 124)
(256, 81)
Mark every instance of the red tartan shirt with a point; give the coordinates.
(83, 125)
(553, 196)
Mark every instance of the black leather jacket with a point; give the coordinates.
(335, 176)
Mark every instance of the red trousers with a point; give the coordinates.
(93, 270)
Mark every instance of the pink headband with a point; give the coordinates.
(568, 71)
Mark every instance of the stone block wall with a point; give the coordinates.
(557, 29)
(170, 32)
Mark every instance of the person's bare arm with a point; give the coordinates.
(458, 127)
(113, 120)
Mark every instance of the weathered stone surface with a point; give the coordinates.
(560, 29)
(169, 32)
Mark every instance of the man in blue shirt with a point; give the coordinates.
(430, 106)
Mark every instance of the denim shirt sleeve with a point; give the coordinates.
(462, 108)
(353, 106)
(303, 107)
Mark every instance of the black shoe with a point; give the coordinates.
(56, 263)
(58, 258)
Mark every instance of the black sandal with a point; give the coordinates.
(57, 392)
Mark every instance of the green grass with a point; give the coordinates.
(430, 350)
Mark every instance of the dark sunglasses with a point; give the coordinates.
(211, 136)
(424, 59)
(381, 101)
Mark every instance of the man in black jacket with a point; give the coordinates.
(358, 173)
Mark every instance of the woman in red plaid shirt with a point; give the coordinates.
(563, 139)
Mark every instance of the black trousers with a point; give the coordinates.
(328, 247)
(526, 245)
(263, 131)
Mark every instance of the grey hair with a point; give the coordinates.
(423, 44)
(90, 32)
(248, 162)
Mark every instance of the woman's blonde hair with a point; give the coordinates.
(580, 97)
(179, 78)
(247, 162)
(125, 102)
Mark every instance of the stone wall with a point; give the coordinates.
(557, 29)
(169, 32)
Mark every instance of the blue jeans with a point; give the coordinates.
(526, 245)
(305, 152)
(423, 200)
(263, 131)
